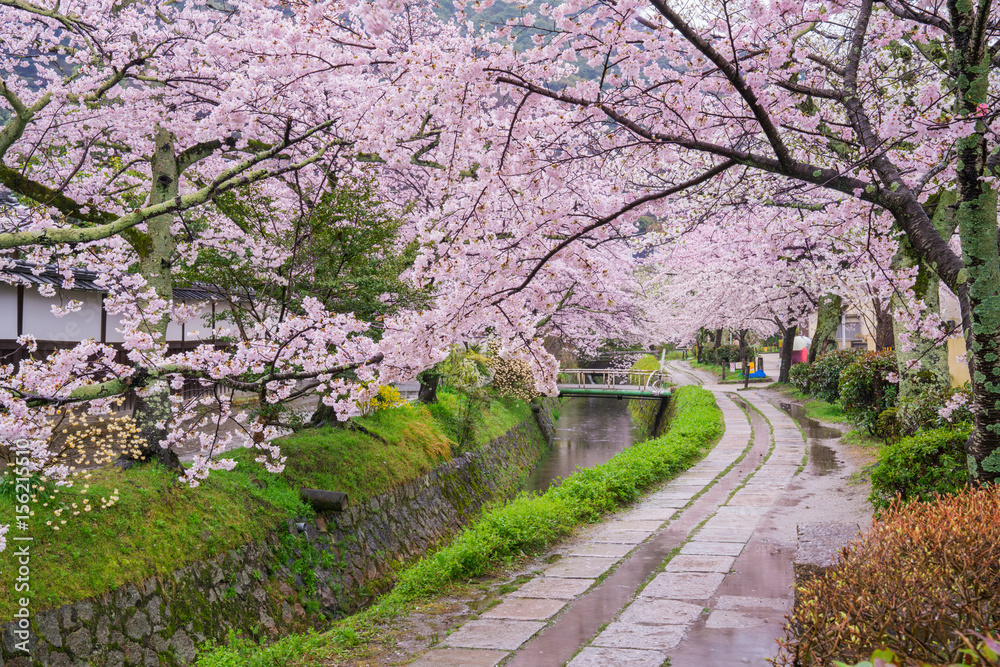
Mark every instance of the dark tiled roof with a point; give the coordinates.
(85, 280)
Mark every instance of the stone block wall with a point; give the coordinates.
(296, 578)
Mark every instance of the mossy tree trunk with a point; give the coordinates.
(827, 318)
(787, 345)
(977, 227)
(155, 248)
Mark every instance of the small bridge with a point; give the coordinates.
(642, 385)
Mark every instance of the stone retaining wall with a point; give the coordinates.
(295, 579)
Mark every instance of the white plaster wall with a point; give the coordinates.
(8, 311)
(43, 325)
(114, 324)
(200, 325)
(174, 328)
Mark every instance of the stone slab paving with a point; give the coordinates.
(705, 548)
(463, 657)
(660, 514)
(655, 620)
(602, 550)
(496, 633)
(633, 635)
(699, 563)
(581, 567)
(525, 609)
(657, 611)
(683, 585)
(622, 536)
(667, 608)
(609, 657)
(749, 603)
(553, 588)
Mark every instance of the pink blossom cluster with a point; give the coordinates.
(956, 401)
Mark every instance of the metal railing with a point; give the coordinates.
(611, 378)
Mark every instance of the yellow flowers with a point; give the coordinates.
(387, 397)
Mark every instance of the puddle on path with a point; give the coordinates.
(823, 459)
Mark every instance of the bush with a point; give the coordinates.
(800, 375)
(920, 467)
(824, 383)
(922, 576)
(887, 425)
(865, 390)
(984, 652)
(513, 377)
(934, 407)
(728, 353)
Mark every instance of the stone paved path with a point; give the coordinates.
(670, 578)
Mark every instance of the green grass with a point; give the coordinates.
(644, 412)
(524, 526)
(453, 409)
(860, 437)
(157, 525)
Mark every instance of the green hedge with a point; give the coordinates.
(920, 467)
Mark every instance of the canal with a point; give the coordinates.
(589, 431)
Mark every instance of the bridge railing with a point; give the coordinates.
(609, 378)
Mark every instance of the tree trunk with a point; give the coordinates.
(743, 358)
(787, 345)
(155, 248)
(884, 334)
(428, 387)
(827, 319)
(978, 230)
(699, 345)
(324, 415)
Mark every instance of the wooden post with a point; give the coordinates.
(324, 501)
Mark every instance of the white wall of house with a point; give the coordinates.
(199, 324)
(8, 312)
(43, 325)
(39, 321)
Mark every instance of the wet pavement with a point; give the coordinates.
(697, 573)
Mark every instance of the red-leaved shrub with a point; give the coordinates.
(923, 575)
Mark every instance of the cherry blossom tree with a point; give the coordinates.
(125, 124)
(856, 108)
(123, 121)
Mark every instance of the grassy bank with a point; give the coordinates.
(142, 523)
(644, 412)
(507, 533)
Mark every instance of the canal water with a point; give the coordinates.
(589, 431)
